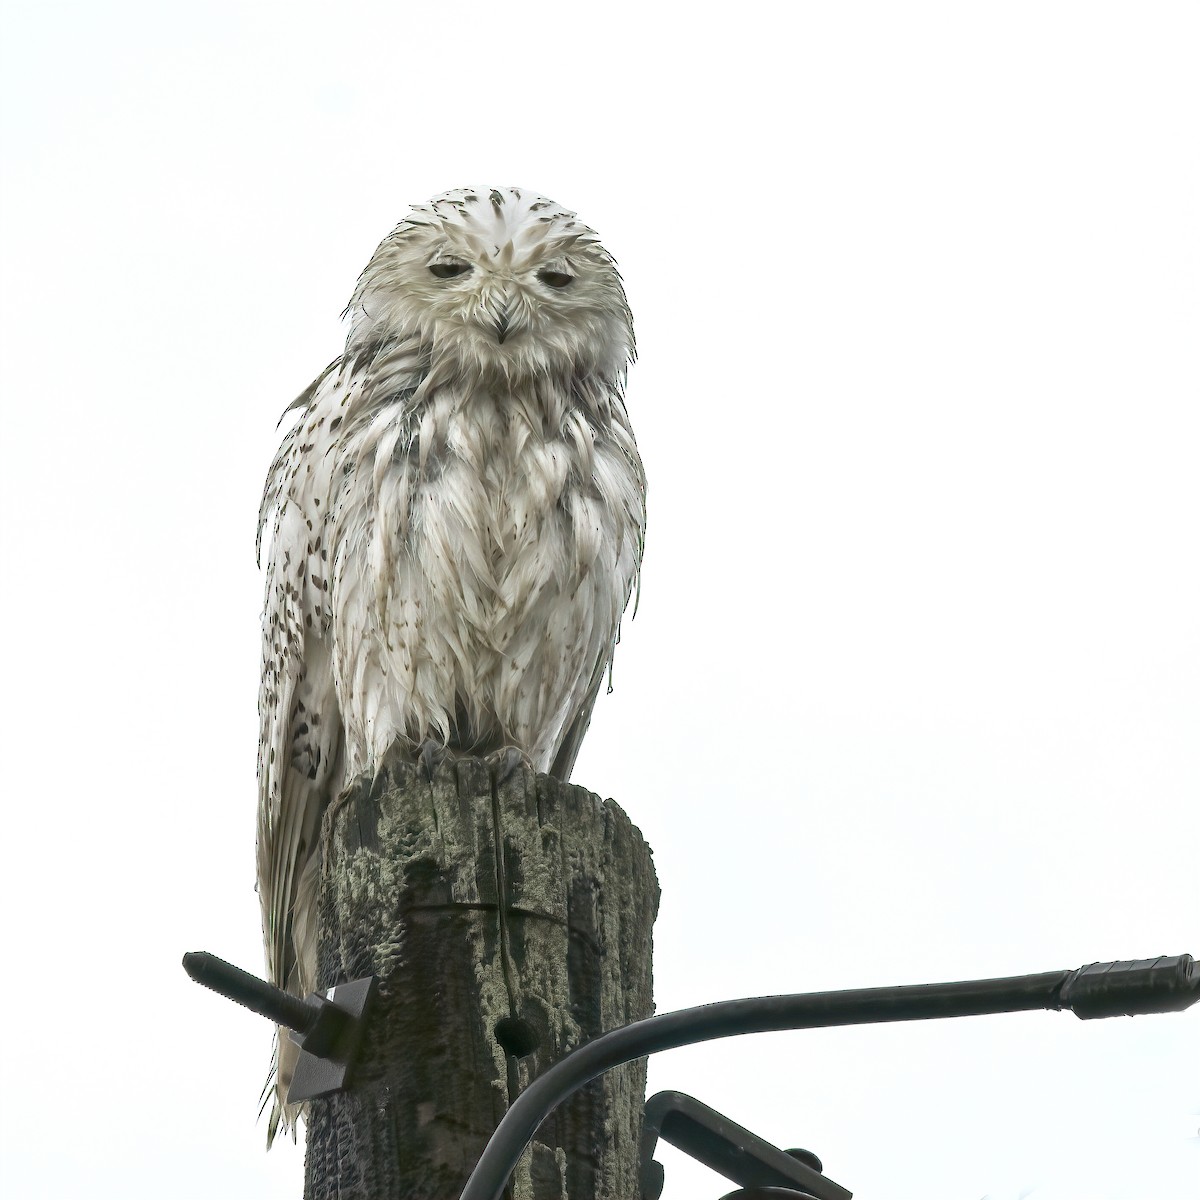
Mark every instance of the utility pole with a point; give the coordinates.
(506, 920)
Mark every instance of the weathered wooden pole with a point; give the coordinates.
(506, 924)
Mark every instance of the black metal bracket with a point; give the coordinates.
(319, 1072)
(725, 1147)
(326, 1026)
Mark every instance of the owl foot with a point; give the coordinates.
(505, 762)
(430, 756)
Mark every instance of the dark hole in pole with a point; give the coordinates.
(515, 1037)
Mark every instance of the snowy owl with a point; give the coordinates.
(459, 511)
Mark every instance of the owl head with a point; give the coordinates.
(499, 281)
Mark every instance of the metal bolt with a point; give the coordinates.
(255, 994)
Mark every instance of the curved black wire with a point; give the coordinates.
(760, 1014)
(1099, 990)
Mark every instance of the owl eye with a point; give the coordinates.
(448, 270)
(555, 279)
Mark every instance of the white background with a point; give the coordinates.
(914, 689)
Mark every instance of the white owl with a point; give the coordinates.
(459, 513)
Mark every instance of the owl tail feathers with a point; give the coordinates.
(283, 1115)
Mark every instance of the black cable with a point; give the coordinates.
(1102, 989)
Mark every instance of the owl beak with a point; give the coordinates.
(502, 325)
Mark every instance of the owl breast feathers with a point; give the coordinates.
(459, 512)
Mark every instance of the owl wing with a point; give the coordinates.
(300, 746)
(617, 468)
(568, 750)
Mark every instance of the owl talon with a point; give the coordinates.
(506, 762)
(430, 756)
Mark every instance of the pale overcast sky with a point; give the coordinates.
(914, 689)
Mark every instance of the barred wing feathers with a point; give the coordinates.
(300, 745)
